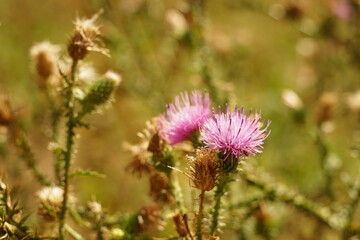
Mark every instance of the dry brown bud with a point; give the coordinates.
(160, 187)
(86, 38)
(150, 215)
(51, 199)
(327, 103)
(179, 221)
(6, 114)
(45, 56)
(204, 169)
(138, 166)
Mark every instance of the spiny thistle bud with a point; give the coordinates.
(86, 38)
(6, 114)
(44, 56)
(99, 93)
(204, 169)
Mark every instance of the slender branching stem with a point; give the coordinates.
(353, 203)
(281, 193)
(70, 133)
(200, 216)
(56, 113)
(23, 147)
(200, 47)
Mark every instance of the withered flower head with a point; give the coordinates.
(138, 166)
(86, 38)
(44, 56)
(180, 224)
(327, 103)
(204, 169)
(149, 143)
(6, 114)
(51, 199)
(160, 187)
(150, 215)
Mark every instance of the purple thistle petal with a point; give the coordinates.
(234, 133)
(184, 116)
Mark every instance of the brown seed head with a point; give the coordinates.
(180, 224)
(204, 169)
(86, 38)
(327, 104)
(150, 215)
(160, 187)
(50, 199)
(139, 166)
(45, 56)
(6, 114)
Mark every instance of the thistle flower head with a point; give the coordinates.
(44, 56)
(184, 116)
(86, 38)
(234, 133)
(204, 169)
(50, 199)
(6, 114)
(150, 216)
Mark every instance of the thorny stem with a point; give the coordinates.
(176, 192)
(70, 114)
(24, 150)
(279, 192)
(324, 152)
(220, 191)
(200, 216)
(55, 120)
(354, 201)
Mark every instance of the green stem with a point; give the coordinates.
(200, 216)
(354, 201)
(324, 152)
(55, 120)
(220, 190)
(70, 113)
(279, 192)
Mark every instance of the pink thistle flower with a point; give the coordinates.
(234, 134)
(184, 116)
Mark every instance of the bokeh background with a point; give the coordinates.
(256, 49)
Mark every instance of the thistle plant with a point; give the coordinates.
(200, 156)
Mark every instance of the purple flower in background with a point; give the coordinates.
(234, 133)
(342, 9)
(184, 116)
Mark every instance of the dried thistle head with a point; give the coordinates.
(180, 224)
(139, 166)
(149, 216)
(86, 38)
(51, 199)
(160, 187)
(204, 169)
(327, 104)
(44, 56)
(149, 143)
(6, 114)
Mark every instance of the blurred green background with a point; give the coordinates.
(257, 48)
